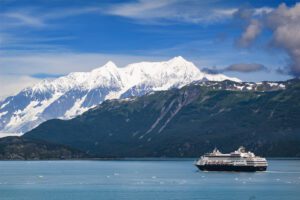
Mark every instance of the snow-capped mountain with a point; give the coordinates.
(71, 95)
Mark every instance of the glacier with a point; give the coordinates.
(75, 93)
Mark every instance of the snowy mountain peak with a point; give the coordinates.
(71, 95)
(108, 66)
(178, 60)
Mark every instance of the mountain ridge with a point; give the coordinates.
(71, 95)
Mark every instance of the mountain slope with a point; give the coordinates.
(77, 92)
(189, 121)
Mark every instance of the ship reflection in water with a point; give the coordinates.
(239, 160)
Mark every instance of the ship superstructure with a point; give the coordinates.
(239, 160)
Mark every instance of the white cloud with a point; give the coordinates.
(263, 10)
(11, 84)
(21, 19)
(158, 11)
(39, 18)
(61, 63)
(250, 33)
(69, 12)
(284, 24)
(140, 9)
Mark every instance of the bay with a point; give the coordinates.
(143, 180)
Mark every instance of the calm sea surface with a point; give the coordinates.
(143, 180)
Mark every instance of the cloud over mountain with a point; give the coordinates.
(284, 25)
(246, 67)
(238, 67)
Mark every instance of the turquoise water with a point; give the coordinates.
(143, 180)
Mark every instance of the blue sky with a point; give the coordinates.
(45, 39)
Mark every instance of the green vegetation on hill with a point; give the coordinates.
(185, 122)
(17, 148)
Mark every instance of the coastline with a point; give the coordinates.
(139, 159)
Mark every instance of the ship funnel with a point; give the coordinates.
(242, 149)
(216, 151)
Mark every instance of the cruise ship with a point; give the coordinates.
(239, 160)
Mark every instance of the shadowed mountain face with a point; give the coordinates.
(186, 122)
